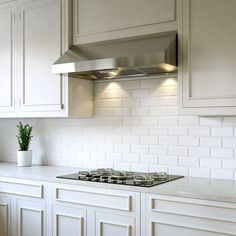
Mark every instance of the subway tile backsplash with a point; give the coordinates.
(136, 126)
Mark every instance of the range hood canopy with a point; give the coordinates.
(151, 55)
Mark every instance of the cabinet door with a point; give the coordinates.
(207, 69)
(68, 221)
(31, 218)
(4, 216)
(115, 225)
(42, 34)
(165, 229)
(109, 19)
(7, 59)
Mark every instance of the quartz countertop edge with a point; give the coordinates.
(197, 188)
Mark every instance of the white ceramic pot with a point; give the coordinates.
(24, 158)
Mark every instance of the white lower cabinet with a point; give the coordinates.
(165, 215)
(46, 209)
(95, 211)
(5, 205)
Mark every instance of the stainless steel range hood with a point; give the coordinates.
(120, 59)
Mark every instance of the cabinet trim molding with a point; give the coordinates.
(126, 205)
(102, 222)
(80, 218)
(20, 220)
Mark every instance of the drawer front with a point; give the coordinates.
(192, 207)
(21, 187)
(189, 216)
(111, 199)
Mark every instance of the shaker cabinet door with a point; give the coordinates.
(7, 59)
(207, 78)
(40, 44)
(111, 19)
(4, 216)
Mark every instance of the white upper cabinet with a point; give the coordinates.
(8, 58)
(207, 78)
(35, 34)
(111, 19)
(41, 40)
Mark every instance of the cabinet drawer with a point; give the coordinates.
(21, 187)
(112, 199)
(191, 207)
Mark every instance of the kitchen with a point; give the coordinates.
(133, 117)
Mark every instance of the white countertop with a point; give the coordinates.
(200, 188)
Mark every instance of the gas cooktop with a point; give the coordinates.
(111, 176)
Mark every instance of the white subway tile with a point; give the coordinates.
(221, 131)
(122, 166)
(132, 158)
(159, 111)
(149, 101)
(168, 101)
(139, 93)
(168, 160)
(189, 161)
(178, 170)
(158, 168)
(147, 159)
(158, 130)
(131, 139)
(188, 120)
(229, 164)
(210, 142)
(188, 141)
(123, 148)
(211, 163)
(171, 120)
(210, 121)
(139, 130)
(114, 157)
(222, 152)
(139, 111)
(178, 131)
(199, 131)
(130, 102)
(114, 139)
(199, 151)
(151, 120)
(222, 174)
(178, 151)
(168, 140)
(139, 167)
(229, 121)
(140, 149)
(229, 142)
(158, 150)
(148, 140)
(199, 172)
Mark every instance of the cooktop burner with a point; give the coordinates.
(122, 177)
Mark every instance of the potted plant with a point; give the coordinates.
(24, 155)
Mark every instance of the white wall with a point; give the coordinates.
(136, 127)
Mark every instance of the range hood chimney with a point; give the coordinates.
(133, 57)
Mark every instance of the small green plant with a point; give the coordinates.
(24, 137)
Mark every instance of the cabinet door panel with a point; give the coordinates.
(31, 218)
(115, 225)
(163, 230)
(208, 39)
(4, 216)
(40, 47)
(107, 19)
(7, 57)
(68, 221)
